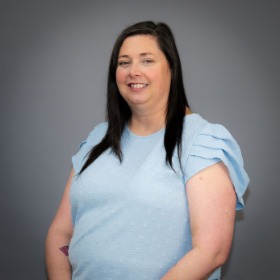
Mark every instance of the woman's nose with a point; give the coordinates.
(134, 70)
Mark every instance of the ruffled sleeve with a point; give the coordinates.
(214, 144)
(95, 136)
(78, 158)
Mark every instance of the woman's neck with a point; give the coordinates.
(146, 124)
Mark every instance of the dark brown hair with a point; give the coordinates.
(118, 111)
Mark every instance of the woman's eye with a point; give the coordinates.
(123, 63)
(148, 61)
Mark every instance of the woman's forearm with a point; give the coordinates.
(195, 265)
(57, 261)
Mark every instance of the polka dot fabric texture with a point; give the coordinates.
(131, 219)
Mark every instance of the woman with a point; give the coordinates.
(153, 192)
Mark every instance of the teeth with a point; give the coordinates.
(137, 85)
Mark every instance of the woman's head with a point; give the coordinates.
(166, 43)
(143, 75)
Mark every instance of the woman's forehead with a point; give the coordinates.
(140, 45)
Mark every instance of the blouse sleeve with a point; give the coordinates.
(95, 136)
(214, 144)
(78, 158)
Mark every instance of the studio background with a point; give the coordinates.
(53, 63)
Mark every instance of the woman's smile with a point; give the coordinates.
(137, 85)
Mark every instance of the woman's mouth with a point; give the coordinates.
(139, 85)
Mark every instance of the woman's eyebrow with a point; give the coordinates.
(123, 56)
(141, 54)
(146, 53)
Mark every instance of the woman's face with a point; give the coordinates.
(143, 74)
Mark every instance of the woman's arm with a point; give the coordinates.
(59, 235)
(212, 202)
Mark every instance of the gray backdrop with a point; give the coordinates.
(54, 57)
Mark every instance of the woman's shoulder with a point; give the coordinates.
(194, 120)
(101, 127)
(98, 131)
(95, 135)
(199, 133)
(195, 124)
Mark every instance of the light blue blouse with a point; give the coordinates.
(131, 219)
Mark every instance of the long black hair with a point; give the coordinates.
(118, 111)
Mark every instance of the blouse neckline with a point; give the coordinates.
(154, 134)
